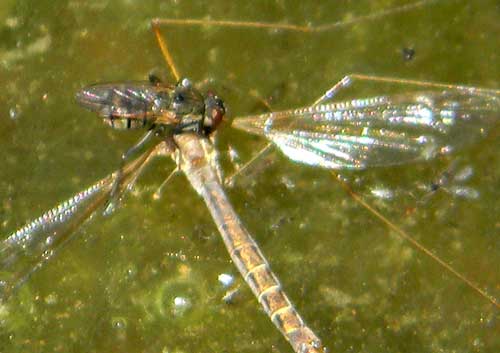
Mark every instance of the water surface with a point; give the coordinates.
(358, 285)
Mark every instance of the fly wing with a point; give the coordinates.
(30, 247)
(126, 100)
(379, 131)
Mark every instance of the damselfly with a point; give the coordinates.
(315, 138)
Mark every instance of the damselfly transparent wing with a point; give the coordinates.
(30, 247)
(378, 131)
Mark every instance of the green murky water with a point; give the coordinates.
(361, 288)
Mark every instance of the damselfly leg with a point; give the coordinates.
(373, 16)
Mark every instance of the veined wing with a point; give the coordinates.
(30, 247)
(378, 131)
(129, 105)
(124, 99)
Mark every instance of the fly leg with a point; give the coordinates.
(162, 43)
(115, 189)
(169, 148)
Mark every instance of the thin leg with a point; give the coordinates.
(415, 244)
(229, 181)
(167, 148)
(159, 192)
(427, 84)
(164, 49)
(331, 92)
(119, 174)
(375, 15)
(348, 80)
(290, 27)
(161, 149)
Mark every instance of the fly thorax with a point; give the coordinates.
(193, 112)
(161, 103)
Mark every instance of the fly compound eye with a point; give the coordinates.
(179, 98)
(214, 112)
(218, 103)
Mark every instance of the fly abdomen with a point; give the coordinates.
(120, 123)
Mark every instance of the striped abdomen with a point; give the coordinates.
(242, 248)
